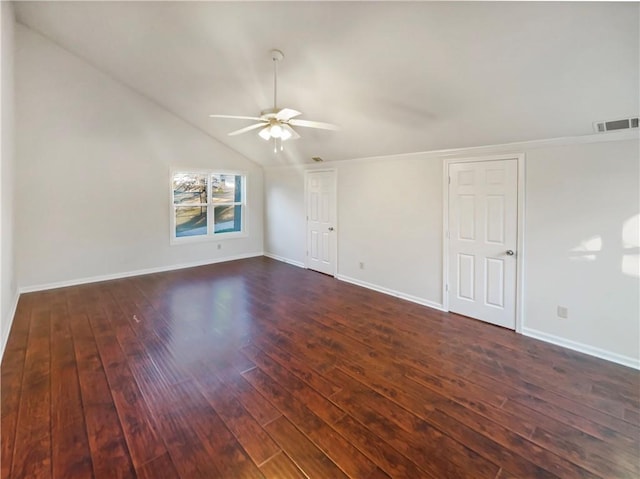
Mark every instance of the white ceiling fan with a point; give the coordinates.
(276, 123)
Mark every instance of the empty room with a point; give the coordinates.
(319, 240)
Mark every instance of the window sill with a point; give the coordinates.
(206, 239)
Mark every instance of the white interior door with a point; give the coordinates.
(321, 222)
(483, 223)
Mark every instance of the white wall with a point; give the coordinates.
(92, 175)
(389, 214)
(582, 242)
(390, 218)
(8, 288)
(284, 229)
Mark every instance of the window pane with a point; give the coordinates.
(191, 220)
(189, 189)
(226, 188)
(227, 219)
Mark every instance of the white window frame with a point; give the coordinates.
(210, 205)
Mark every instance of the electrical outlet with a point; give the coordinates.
(563, 312)
(361, 265)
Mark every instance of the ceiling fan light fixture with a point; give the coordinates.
(265, 133)
(286, 134)
(276, 130)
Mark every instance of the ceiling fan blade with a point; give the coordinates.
(287, 114)
(246, 128)
(294, 133)
(235, 117)
(314, 124)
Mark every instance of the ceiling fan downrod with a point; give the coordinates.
(276, 56)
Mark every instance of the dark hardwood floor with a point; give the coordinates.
(256, 369)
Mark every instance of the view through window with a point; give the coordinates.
(207, 204)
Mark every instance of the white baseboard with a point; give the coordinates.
(293, 262)
(139, 272)
(10, 317)
(583, 348)
(391, 292)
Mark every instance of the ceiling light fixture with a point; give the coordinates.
(275, 130)
(277, 123)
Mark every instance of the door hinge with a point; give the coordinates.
(449, 180)
(446, 287)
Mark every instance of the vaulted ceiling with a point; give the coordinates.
(397, 77)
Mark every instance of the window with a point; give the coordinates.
(207, 205)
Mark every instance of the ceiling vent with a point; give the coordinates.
(317, 159)
(624, 124)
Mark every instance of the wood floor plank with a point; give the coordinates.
(161, 467)
(380, 452)
(255, 441)
(185, 448)
(219, 443)
(11, 376)
(71, 456)
(7, 437)
(351, 460)
(341, 451)
(66, 403)
(354, 393)
(109, 452)
(289, 406)
(497, 444)
(306, 456)
(32, 451)
(281, 467)
(313, 400)
(604, 465)
(378, 474)
(255, 403)
(135, 419)
(587, 449)
(32, 457)
(297, 366)
(423, 443)
(254, 369)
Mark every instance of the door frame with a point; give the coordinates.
(308, 172)
(520, 157)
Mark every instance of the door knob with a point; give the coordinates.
(510, 252)
(330, 228)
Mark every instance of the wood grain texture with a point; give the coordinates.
(257, 369)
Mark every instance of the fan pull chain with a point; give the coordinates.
(275, 145)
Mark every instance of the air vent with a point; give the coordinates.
(317, 159)
(611, 125)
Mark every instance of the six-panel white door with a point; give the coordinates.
(321, 211)
(483, 219)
